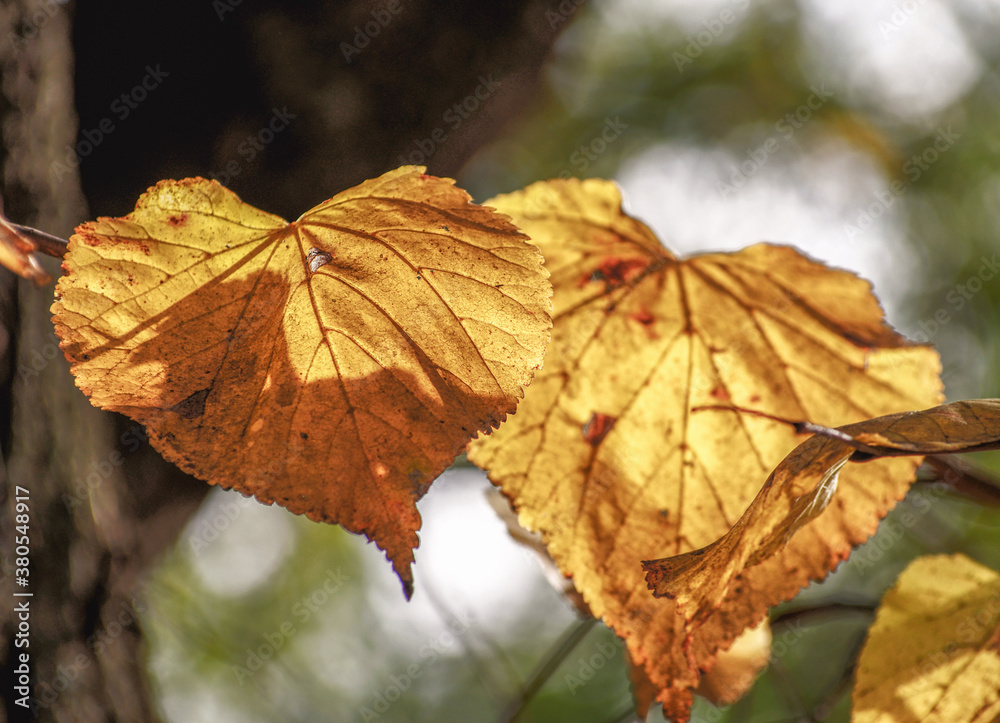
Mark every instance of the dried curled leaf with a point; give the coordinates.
(605, 456)
(801, 487)
(18, 253)
(334, 365)
(933, 652)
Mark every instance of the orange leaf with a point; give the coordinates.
(933, 652)
(605, 456)
(334, 365)
(801, 487)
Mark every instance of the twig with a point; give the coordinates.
(45, 242)
(540, 676)
(823, 612)
(801, 427)
(19, 245)
(445, 613)
(966, 478)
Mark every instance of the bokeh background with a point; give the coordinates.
(865, 132)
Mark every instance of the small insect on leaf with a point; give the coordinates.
(317, 259)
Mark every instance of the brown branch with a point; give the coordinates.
(968, 479)
(45, 242)
(18, 247)
(540, 676)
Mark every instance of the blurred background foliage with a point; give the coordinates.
(867, 134)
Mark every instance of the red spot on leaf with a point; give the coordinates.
(614, 272)
(642, 316)
(97, 241)
(178, 220)
(755, 398)
(597, 428)
(720, 393)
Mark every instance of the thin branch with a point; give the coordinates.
(540, 676)
(19, 245)
(805, 427)
(45, 242)
(968, 479)
(483, 672)
(825, 613)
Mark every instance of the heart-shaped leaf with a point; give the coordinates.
(334, 365)
(606, 456)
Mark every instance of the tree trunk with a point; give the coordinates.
(90, 532)
(102, 505)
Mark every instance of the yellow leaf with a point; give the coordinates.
(607, 456)
(933, 652)
(801, 487)
(737, 668)
(334, 365)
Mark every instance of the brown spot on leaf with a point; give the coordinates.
(178, 220)
(642, 316)
(192, 407)
(597, 428)
(647, 320)
(615, 271)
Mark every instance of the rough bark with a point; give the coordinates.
(103, 505)
(91, 532)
